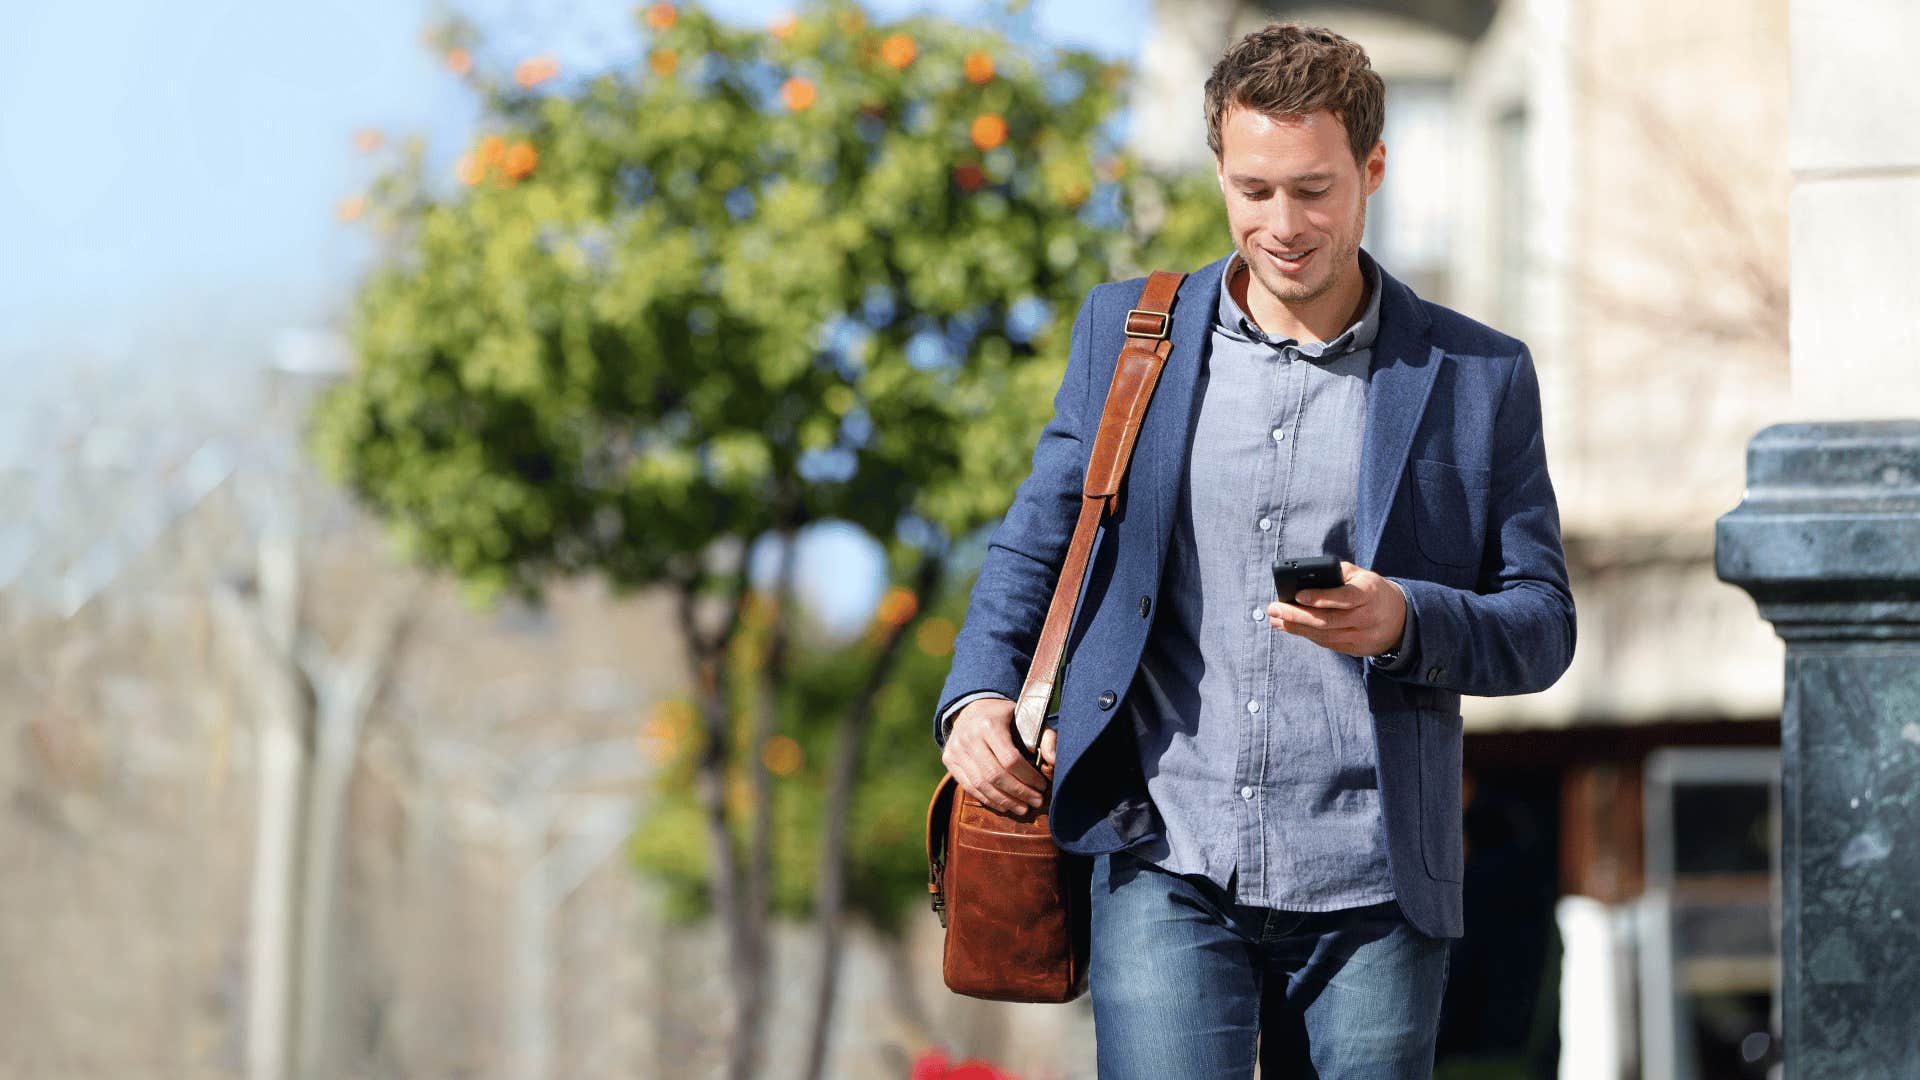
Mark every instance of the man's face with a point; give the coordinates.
(1296, 199)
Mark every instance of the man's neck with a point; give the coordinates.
(1323, 318)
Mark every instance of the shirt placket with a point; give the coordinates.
(1258, 388)
(1273, 482)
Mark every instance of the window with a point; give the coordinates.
(1510, 216)
(1408, 219)
(1709, 957)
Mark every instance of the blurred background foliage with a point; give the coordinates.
(886, 860)
(761, 278)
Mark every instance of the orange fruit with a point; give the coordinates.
(898, 50)
(367, 140)
(989, 131)
(459, 61)
(979, 68)
(350, 208)
(670, 718)
(935, 636)
(535, 70)
(798, 94)
(520, 159)
(781, 755)
(469, 169)
(782, 27)
(897, 606)
(661, 16)
(492, 149)
(664, 62)
(969, 177)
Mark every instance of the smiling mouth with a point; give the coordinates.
(1289, 261)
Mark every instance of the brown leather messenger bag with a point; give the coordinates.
(1014, 905)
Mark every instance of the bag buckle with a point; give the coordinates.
(1157, 320)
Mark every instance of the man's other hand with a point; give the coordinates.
(1364, 617)
(983, 754)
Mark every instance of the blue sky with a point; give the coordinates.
(168, 171)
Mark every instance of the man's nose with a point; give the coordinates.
(1287, 221)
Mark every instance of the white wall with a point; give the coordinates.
(1855, 209)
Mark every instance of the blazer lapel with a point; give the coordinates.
(1160, 456)
(1404, 365)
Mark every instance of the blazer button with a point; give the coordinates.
(1106, 699)
(1146, 605)
(1436, 673)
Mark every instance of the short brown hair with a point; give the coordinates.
(1286, 70)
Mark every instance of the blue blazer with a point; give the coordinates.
(1454, 504)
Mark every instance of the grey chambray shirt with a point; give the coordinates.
(1257, 745)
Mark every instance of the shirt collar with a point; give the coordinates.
(1231, 319)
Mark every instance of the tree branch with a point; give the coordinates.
(849, 746)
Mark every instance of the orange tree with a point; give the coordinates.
(764, 278)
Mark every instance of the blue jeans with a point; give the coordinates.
(1187, 983)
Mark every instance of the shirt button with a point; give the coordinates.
(1253, 706)
(1278, 434)
(1259, 613)
(1246, 793)
(1265, 524)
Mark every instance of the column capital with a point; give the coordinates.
(1827, 538)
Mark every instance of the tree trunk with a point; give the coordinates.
(346, 693)
(309, 712)
(708, 655)
(331, 769)
(530, 954)
(849, 745)
(259, 634)
(756, 912)
(273, 952)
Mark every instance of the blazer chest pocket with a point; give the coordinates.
(1450, 511)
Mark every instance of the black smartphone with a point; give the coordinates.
(1312, 572)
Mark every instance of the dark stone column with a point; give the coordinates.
(1828, 542)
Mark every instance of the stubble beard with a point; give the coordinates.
(1295, 291)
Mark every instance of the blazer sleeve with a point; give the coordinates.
(1513, 633)
(1009, 601)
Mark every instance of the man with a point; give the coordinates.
(1271, 785)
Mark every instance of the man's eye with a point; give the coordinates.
(1254, 194)
(1314, 194)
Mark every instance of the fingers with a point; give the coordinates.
(1285, 616)
(1017, 777)
(1356, 591)
(1336, 630)
(1046, 747)
(1346, 596)
(982, 756)
(973, 778)
(1350, 642)
(988, 795)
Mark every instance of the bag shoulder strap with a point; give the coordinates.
(1149, 340)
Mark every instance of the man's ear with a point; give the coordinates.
(1376, 167)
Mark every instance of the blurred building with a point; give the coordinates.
(1608, 182)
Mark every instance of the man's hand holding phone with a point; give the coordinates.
(983, 754)
(1363, 616)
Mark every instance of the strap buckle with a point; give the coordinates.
(1156, 320)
